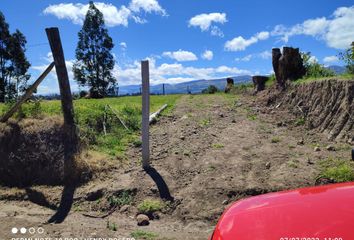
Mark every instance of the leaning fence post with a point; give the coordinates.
(27, 95)
(145, 112)
(70, 131)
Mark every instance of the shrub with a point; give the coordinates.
(300, 121)
(210, 90)
(348, 57)
(271, 80)
(313, 68)
(36, 110)
(337, 170)
(83, 93)
(149, 206)
(123, 198)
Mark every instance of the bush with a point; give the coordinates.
(348, 57)
(123, 198)
(210, 90)
(271, 80)
(337, 170)
(149, 206)
(313, 68)
(83, 93)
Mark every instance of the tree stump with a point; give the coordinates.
(287, 66)
(229, 85)
(259, 83)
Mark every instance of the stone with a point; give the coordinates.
(281, 124)
(221, 115)
(154, 190)
(225, 202)
(155, 215)
(267, 165)
(287, 66)
(233, 121)
(182, 137)
(317, 149)
(259, 83)
(300, 142)
(229, 85)
(142, 220)
(330, 148)
(124, 208)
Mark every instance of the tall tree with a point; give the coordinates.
(13, 62)
(348, 57)
(94, 61)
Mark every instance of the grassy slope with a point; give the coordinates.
(338, 77)
(89, 116)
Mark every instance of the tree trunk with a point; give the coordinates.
(2, 90)
(288, 66)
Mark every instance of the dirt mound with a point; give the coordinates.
(326, 105)
(31, 152)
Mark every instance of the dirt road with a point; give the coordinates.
(210, 151)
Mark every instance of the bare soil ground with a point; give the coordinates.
(209, 152)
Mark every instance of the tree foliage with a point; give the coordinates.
(313, 68)
(348, 57)
(13, 62)
(211, 89)
(94, 64)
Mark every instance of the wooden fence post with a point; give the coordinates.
(163, 89)
(145, 113)
(70, 130)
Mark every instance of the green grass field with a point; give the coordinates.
(90, 116)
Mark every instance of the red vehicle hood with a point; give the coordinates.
(316, 212)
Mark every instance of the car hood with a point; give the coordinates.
(322, 212)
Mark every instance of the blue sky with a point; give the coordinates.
(187, 39)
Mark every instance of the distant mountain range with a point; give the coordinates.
(195, 86)
(337, 69)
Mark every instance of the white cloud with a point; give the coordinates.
(313, 59)
(173, 73)
(265, 54)
(245, 58)
(337, 31)
(262, 35)
(77, 12)
(207, 55)
(330, 59)
(311, 27)
(123, 45)
(206, 22)
(340, 32)
(239, 43)
(50, 83)
(181, 55)
(113, 16)
(131, 74)
(215, 31)
(148, 6)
